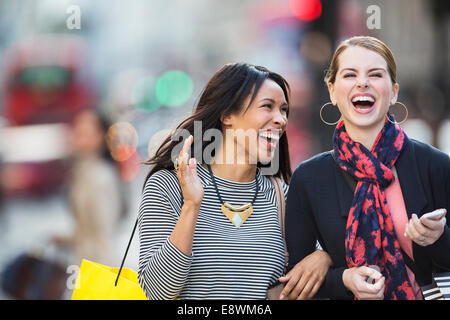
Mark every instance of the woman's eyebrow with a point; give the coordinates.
(347, 69)
(273, 101)
(377, 69)
(354, 70)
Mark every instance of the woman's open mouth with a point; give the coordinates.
(363, 103)
(269, 138)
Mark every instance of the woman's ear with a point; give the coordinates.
(395, 90)
(226, 120)
(331, 93)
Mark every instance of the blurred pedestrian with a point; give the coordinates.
(94, 192)
(396, 180)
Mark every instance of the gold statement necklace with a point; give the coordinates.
(239, 214)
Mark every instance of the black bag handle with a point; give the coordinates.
(126, 251)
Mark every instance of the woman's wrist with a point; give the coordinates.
(191, 207)
(345, 280)
(183, 233)
(325, 256)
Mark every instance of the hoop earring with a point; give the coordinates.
(406, 111)
(321, 117)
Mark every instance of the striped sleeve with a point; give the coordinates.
(163, 268)
(285, 190)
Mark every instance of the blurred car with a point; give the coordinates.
(42, 91)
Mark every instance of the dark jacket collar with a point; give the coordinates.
(410, 182)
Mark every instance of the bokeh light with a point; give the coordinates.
(122, 152)
(122, 140)
(317, 48)
(306, 10)
(130, 167)
(143, 95)
(174, 88)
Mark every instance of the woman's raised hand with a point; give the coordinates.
(190, 183)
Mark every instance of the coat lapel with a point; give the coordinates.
(410, 183)
(344, 192)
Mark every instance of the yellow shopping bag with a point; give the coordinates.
(98, 282)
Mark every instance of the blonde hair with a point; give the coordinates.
(369, 43)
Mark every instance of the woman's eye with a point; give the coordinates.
(267, 106)
(285, 109)
(377, 75)
(349, 75)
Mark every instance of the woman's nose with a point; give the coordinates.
(362, 82)
(280, 119)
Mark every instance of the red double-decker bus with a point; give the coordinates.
(43, 88)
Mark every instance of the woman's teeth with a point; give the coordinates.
(363, 98)
(267, 135)
(363, 101)
(270, 137)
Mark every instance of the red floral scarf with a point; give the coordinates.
(370, 235)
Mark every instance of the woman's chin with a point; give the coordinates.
(265, 156)
(365, 121)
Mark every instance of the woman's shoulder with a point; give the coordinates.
(314, 166)
(162, 188)
(425, 150)
(269, 185)
(163, 180)
(429, 156)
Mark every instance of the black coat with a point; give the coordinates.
(319, 200)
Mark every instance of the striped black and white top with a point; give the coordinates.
(226, 262)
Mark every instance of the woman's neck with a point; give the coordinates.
(235, 172)
(366, 136)
(235, 167)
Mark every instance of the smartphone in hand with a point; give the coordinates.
(435, 215)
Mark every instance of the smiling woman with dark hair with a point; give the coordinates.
(209, 228)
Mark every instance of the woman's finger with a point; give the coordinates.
(377, 290)
(289, 286)
(183, 156)
(366, 273)
(287, 276)
(186, 146)
(433, 224)
(369, 272)
(182, 164)
(301, 283)
(284, 278)
(379, 285)
(315, 288)
(305, 292)
(192, 164)
(412, 233)
(419, 227)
